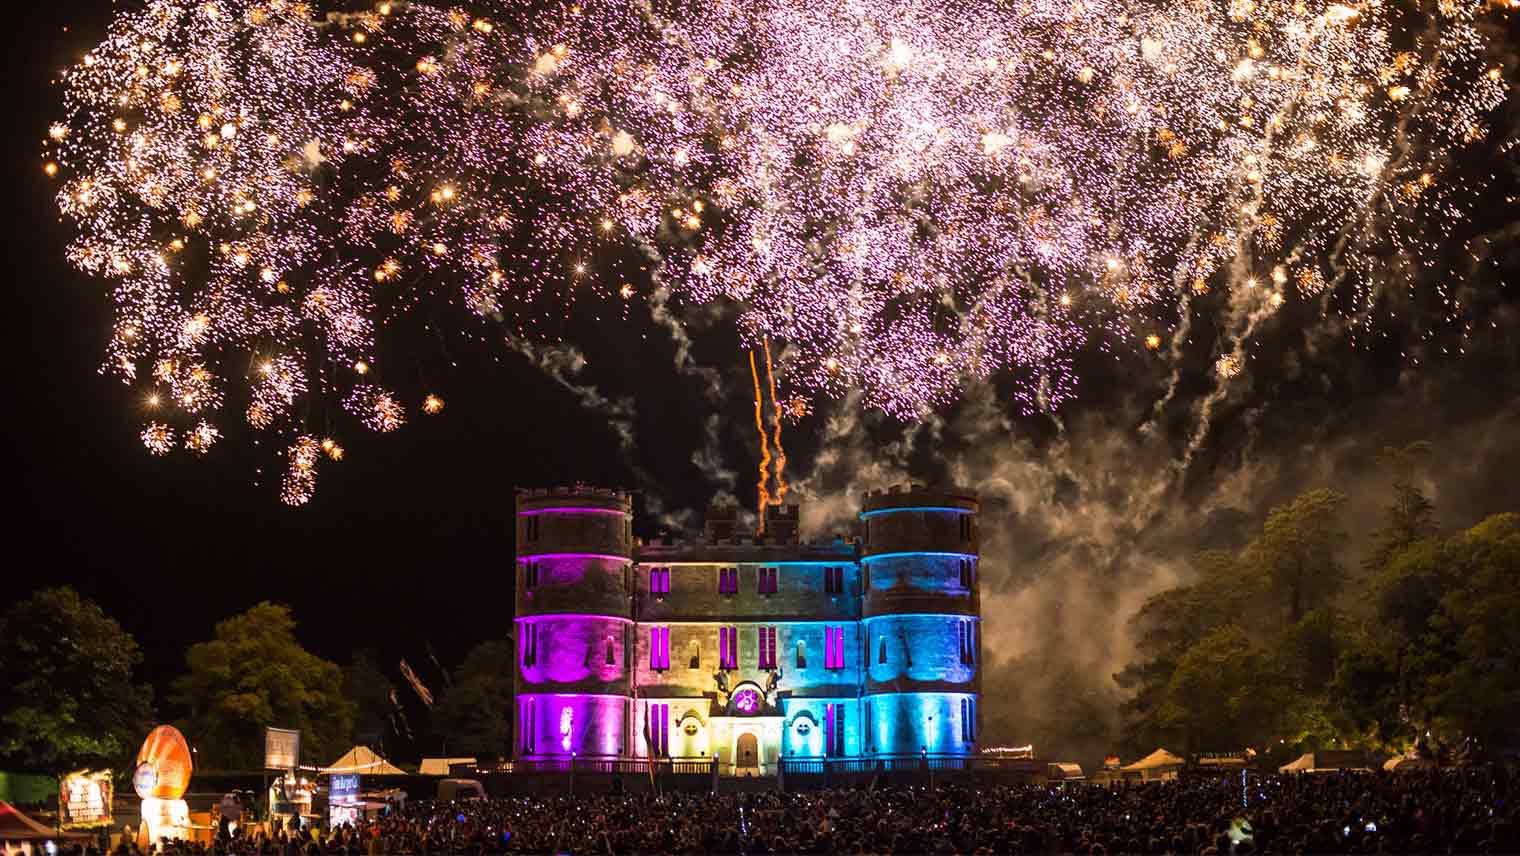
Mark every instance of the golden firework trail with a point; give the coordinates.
(776, 404)
(765, 450)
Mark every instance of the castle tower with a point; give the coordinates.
(574, 625)
(920, 621)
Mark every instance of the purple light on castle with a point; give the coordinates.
(747, 700)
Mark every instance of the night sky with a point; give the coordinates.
(407, 543)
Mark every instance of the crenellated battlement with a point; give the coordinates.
(573, 496)
(919, 495)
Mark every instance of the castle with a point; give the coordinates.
(746, 648)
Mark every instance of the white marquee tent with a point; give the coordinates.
(364, 761)
(1160, 764)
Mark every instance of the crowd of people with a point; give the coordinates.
(1473, 810)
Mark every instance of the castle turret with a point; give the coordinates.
(574, 624)
(921, 620)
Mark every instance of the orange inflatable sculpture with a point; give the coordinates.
(161, 777)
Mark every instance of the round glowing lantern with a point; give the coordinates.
(163, 765)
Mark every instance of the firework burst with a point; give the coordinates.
(905, 194)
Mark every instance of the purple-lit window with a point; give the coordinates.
(968, 573)
(833, 647)
(530, 573)
(833, 580)
(526, 727)
(659, 581)
(659, 648)
(611, 654)
(531, 528)
(966, 530)
(766, 582)
(728, 647)
(833, 730)
(728, 581)
(530, 644)
(657, 729)
(766, 650)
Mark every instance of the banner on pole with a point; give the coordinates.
(282, 749)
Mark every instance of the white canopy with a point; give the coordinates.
(363, 760)
(1301, 764)
(1157, 760)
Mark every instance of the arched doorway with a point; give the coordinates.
(747, 755)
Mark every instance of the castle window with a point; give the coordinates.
(865, 576)
(530, 573)
(728, 581)
(765, 652)
(967, 573)
(659, 648)
(965, 528)
(833, 647)
(530, 644)
(659, 581)
(728, 647)
(801, 654)
(532, 527)
(968, 720)
(968, 643)
(881, 650)
(611, 656)
(866, 737)
(657, 729)
(833, 580)
(766, 584)
(696, 654)
(526, 727)
(833, 734)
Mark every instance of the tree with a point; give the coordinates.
(1442, 653)
(1226, 693)
(1479, 691)
(1298, 551)
(372, 694)
(1410, 517)
(474, 714)
(1167, 627)
(1219, 671)
(67, 699)
(255, 674)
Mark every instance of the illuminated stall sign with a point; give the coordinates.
(84, 799)
(343, 788)
(343, 798)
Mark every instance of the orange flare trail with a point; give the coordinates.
(776, 404)
(765, 449)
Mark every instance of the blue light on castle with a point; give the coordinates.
(748, 649)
